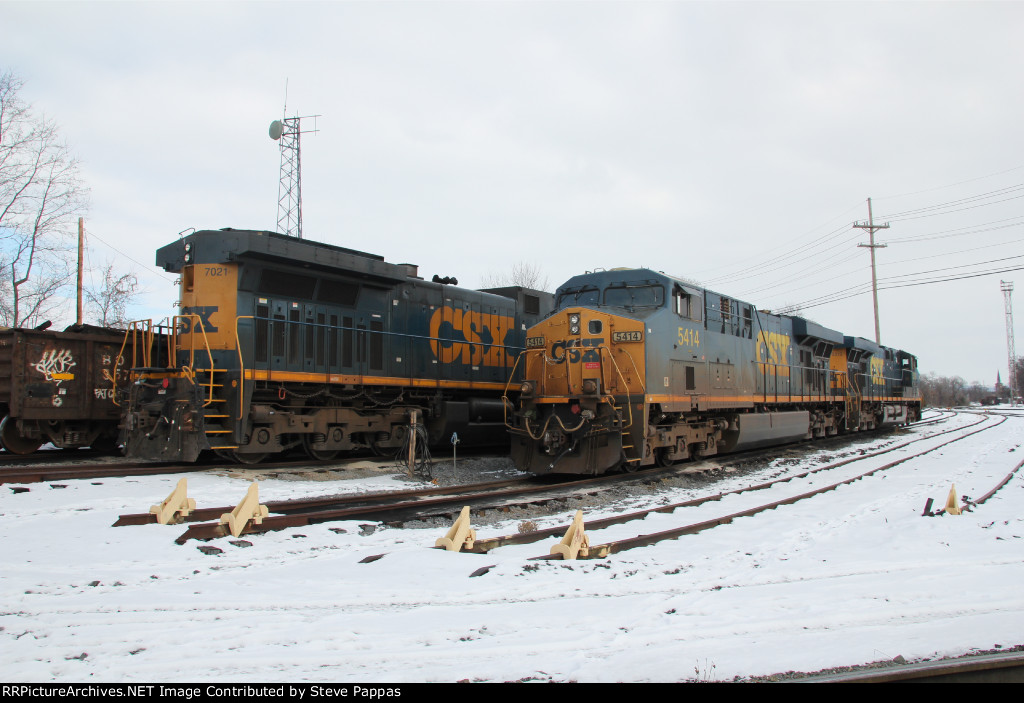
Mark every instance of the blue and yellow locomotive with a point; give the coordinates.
(636, 368)
(283, 342)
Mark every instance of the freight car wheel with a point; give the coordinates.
(12, 440)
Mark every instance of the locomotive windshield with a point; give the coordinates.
(581, 295)
(634, 296)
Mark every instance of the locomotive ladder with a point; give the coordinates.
(627, 439)
(215, 415)
(853, 400)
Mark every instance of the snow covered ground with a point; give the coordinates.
(853, 576)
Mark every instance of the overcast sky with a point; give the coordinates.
(700, 139)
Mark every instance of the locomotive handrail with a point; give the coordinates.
(505, 402)
(241, 364)
(629, 396)
(135, 332)
(192, 347)
(405, 339)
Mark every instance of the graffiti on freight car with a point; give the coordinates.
(470, 337)
(56, 365)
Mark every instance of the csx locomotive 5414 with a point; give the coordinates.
(635, 368)
(283, 342)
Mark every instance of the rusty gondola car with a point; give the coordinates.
(58, 387)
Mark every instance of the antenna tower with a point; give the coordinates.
(1011, 353)
(287, 132)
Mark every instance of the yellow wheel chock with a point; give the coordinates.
(575, 543)
(175, 506)
(248, 509)
(952, 505)
(460, 536)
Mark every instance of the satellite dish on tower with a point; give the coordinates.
(276, 129)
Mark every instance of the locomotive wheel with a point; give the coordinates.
(12, 440)
(247, 458)
(661, 457)
(317, 454)
(224, 454)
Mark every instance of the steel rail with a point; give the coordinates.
(482, 546)
(981, 668)
(609, 548)
(385, 510)
(414, 509)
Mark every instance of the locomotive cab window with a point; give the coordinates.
(585, 295)
(634, 296)
(686, 303)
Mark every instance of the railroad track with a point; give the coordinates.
(399, 507)
(982, 668)
(26, 469)
(606, 549)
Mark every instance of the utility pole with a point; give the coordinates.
(81, 247)
(871, 227)
(1011, 353)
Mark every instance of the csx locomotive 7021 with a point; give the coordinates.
(283, 342)
(635, 368)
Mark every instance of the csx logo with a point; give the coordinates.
(576, 350)
(773, 351)
(483, 334)
(190, 316)
(877, 366)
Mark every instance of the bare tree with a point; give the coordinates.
(109, 299)
(41, 193)
(521, 274)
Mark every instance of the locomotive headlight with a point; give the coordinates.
(574, 323)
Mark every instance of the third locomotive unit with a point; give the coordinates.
(635, 368)
(285, 343)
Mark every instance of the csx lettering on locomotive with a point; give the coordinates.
(576, 350)
(483, 337)
(203, 313)
(773, 348)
